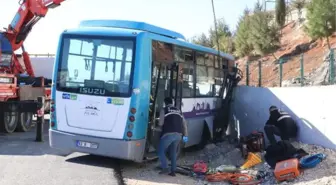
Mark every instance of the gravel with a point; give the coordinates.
(226, 154)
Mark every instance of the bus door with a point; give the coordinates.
(166, 82)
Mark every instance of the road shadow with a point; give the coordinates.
(19, 143)
(134, 173)
(102, 162)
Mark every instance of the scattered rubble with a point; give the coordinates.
(226, 154)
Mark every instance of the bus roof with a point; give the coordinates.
(121, 27)
(134, 25)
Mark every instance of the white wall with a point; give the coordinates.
(312, 107)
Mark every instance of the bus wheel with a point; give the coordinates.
(206, 136)
(25, 122)
(9, 120)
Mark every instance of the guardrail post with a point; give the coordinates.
(280, 71)
(40, 120)
(301, 70)
(247, 73)
(259, 73)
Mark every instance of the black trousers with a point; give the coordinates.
(286, 129)
(271, 131)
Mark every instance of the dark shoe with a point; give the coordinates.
(164, 171)
(172, 174)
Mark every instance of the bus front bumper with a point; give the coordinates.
(129, 150)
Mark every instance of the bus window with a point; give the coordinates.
(211, 80)
(186, 59)
(199, 59)
(209, 60)
(162, 52)
(218, 73)
(224, 63)
(203, 87)
(89, 61)
(188, 80)
(216, 62)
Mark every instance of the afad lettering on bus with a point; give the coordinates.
(88, 90)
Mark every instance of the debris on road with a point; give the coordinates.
(224, 156)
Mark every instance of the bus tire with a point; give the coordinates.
(205, 137)
(25, 122)
(9, 120)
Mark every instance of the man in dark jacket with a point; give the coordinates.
(174, 128)
(280, 123)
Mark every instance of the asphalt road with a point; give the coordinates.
(26, 162)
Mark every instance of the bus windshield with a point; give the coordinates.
(96, 66)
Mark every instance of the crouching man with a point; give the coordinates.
(281, 124)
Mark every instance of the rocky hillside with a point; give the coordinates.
(294, 42)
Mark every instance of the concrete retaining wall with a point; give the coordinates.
(312, 107)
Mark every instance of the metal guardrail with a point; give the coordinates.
(38, 55)
(42, 55)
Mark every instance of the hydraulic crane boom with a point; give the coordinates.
(29, 13)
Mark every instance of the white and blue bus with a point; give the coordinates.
(110, 79)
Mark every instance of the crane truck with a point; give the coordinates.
(19, 87)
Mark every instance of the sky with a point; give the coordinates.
(189, 17)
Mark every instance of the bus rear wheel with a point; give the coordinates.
(25, 122)
(9, 120)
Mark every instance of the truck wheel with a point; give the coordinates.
(9, 120)
(25, 122)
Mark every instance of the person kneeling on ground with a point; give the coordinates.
(174, 128)
(280, 123)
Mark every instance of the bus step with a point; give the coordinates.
(151, 156)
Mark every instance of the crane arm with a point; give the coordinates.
(29, 13)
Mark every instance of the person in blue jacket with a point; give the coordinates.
(174, 128)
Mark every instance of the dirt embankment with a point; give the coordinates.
(294, 42)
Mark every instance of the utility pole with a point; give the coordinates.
(216, 30)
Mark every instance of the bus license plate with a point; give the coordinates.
(85, 144)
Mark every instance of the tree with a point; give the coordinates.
(280, 12)
(243, 47)
(257, 7)
(289, 9)
(222, 30)
(299, 5)
(264, 33)
(224, 36)
(226, 44)
(321, 16)
(202, 40)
